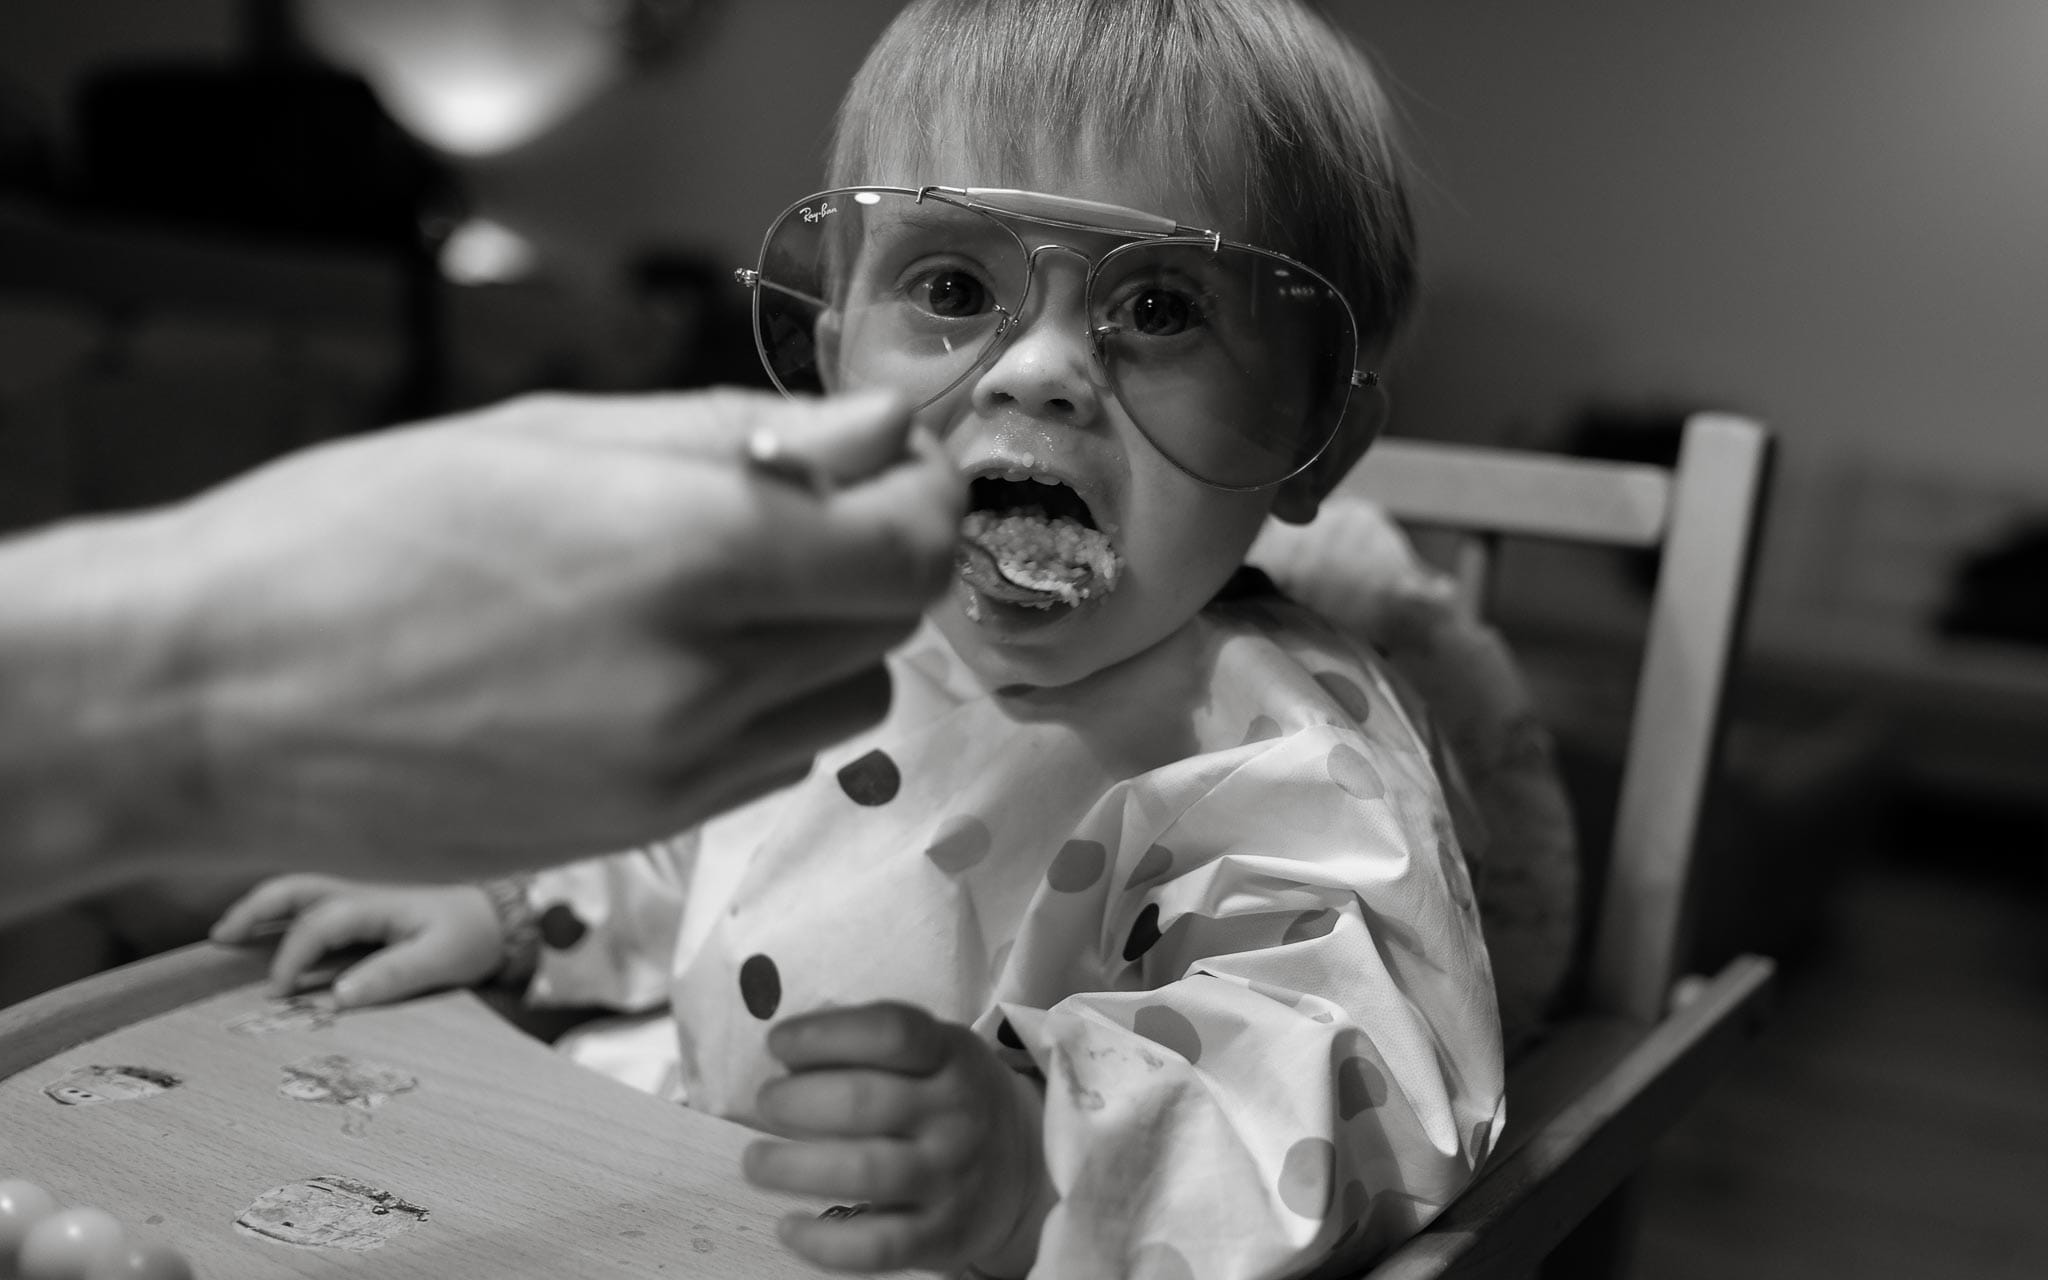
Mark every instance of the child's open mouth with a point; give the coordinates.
(1033, 544)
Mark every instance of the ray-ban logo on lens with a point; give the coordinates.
(819, 214)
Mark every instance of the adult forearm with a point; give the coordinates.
(96, 752)
(549, 628)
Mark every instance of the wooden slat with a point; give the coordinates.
(1695, 622)
(45, 1025)
(1522, 494)
(1529, 1198)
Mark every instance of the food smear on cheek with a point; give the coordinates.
(1024, 556)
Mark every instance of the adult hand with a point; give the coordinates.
(920, 1124)
(550, 628)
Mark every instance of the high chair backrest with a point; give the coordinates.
(1612, 1075)
(1702, 515)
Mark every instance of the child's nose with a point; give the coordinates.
(1046, 365)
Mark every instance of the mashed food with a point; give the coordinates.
(1056, 557)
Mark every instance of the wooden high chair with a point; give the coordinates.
(1587, 1103)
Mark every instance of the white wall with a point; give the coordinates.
(1828, 213)
(1832, 212)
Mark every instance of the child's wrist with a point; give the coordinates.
(518, 928)
(1019, 1251)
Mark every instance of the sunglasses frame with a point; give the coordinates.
(1067, 213)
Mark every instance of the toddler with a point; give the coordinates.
(1136, 940)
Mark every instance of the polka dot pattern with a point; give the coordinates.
(962, 842)
(1310, 924)
(1344, 691)
(1354, 1203)
(871, 780)
(1169, 1027)
(761, 986)
(1155, 864)
(1078, 866)
(1261, 729)
(1352, 772)
(1360, 1087)
(1144, 932)
(560, 927)
(1306, 1176)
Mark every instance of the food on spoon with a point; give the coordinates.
(1047, 559)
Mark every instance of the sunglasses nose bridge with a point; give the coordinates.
(1015, 320)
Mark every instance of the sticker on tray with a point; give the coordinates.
(295, 1013)
(87, 1086)
(329, 1212)
(358, 1085)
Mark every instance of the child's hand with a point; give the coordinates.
(430, 936)
(919, 1120)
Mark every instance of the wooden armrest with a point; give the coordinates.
(1535, 1190)
(47, 1024)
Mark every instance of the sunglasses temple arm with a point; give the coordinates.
(788, 292)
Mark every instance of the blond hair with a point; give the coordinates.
(1275, 113)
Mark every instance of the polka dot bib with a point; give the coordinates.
(1212, 896)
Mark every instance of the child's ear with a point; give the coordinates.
(1301, 496)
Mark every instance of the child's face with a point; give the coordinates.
(1041, 410)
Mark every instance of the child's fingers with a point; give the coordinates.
(333, 923)
(844, 1103)
(873, 1240)
(407, 968)
(276, 899)
(886, 1036)
(886, 1171)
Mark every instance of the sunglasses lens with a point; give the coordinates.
(1234, 363)
(864, 288)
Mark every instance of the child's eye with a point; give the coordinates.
(1159, 312)
(951, 292)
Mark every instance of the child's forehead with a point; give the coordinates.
(1128, 172)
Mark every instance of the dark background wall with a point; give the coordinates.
(1826, 213)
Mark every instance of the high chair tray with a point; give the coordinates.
(428, 1138)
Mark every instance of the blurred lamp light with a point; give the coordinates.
(479, 251)
(476, 77)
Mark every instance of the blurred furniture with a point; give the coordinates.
(1638, 1044)
(149, 361)
(524, 1163)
